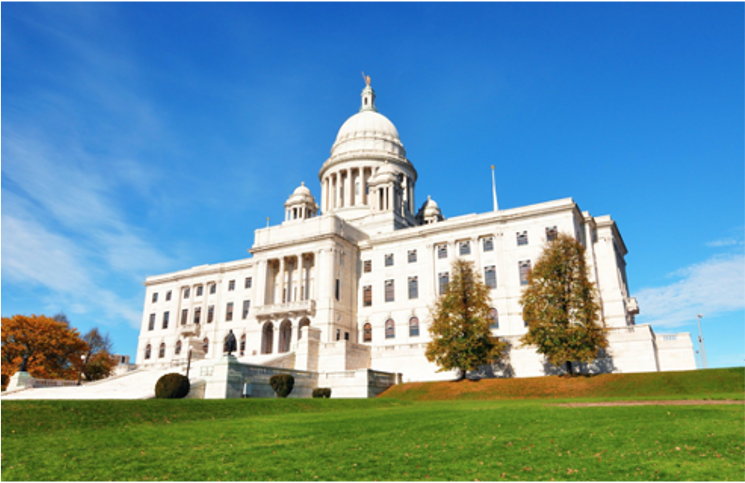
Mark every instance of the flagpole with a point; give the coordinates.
(494, 189)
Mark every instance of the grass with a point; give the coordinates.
(703, 384)
(383, 439)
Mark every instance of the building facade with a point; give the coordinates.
(347, 285)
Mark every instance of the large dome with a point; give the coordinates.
(368, 131)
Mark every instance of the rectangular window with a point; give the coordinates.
(367, 266)
(412, 256)
(413, 288)
(488, 243)
(367, 296)
(524, 270)
(249, 281)
(184, 316)
(442, 251)
(151, 325)
(187, 292)
(168, 296)
(155, 297)
(522, 238)
(199, 290)
(197, 314)
(210, 314)
(246, 306)
(229, 312)
(338, 289)
(465, 248)
(231, 285)
(551, 233)
(389, 291)
(213, 288)
(490, 276)
(444, 279)
(166, 315)
(389, 260)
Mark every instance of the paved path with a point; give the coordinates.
(137, 385)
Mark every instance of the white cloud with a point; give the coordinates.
(724, 242)
(714, 287)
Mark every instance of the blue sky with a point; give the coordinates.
(144, 138)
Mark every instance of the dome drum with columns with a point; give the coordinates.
(368, 173)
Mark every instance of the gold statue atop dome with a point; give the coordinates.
(367, 78)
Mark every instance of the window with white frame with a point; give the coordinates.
(151, 325)
(184, 316)
(367, 266)
(155, 297)
(389, 260)
(197, 314)
(414, 327)
(524, 267)
(493, 318)
(231, 285)
(444, 280)
(187, 292)
(213, 288)
(464, 247)
(488, 243)
(551, 233)
(390, 329)
(522, 238)
(412, 256)
(413, 287)
(168, 296)
(199, 290)
(367, 333)
(367, 296)
(210, 313)
(229, 311)
(490, 276)
(166, 315)
(246, 306)
(442, 251)
(389, 291)
(248, 282)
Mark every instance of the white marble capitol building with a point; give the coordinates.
(346, 286)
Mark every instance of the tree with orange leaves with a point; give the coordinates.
(53, 347)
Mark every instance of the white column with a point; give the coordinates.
(280, 287)
(348, 188)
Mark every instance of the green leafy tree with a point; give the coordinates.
(461, 338)
(559, 306)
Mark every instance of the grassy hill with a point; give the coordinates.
(702, 384)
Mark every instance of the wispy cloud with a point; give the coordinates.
(724, 242)
(71, 178)
(714, 287)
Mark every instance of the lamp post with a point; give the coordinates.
(701, 345)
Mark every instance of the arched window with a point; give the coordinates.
(413, 327)
(285, 334)
(267, 338)
(367, 333)
(494, 318)
(206, 345)
(147, 351)
(162, 350)
(390, 329)
(178, 348)
(243, 345)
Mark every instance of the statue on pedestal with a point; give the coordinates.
(230, 343)
(24, 363)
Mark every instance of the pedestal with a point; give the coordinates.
(224, 383)
(20, 380)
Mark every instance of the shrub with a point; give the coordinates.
(282, 384)
(172, 386)
(322, 392)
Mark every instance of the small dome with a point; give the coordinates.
(302, 190)
(300, 195)
(430, 212)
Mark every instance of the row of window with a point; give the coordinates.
(178, 346)
(390, 327)
(490, 278)
(199, 289)
(464, 248)
(198, 315)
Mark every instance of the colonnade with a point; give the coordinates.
(345, 188)
(291, 279)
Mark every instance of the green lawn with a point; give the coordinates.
(382, 439)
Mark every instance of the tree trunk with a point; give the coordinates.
(462, 376)
(570, 372)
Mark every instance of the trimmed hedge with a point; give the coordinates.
(282, 384)
(172, 386)
(322, 392)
